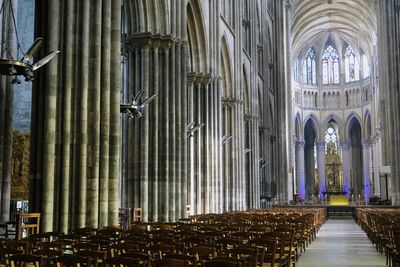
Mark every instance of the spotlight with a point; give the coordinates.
(16, 81)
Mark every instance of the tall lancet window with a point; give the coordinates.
(331, 137)
(351, 65)
(309, 69)
(330, 66)
(365, 66)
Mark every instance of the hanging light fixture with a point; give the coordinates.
(13, 66)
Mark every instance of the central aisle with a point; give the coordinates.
(341, 243)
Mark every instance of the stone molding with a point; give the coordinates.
(299, 144)
(230, 101)
(250, 117)
(366, 143)
(200, 78)
(345, 145)
(320, 145)
(147, 40)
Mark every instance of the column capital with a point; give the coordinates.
(320, 145)
(190, 78)
(300, 144)
(366, 143)
(345, 145)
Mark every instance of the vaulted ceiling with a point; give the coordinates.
(313, 22)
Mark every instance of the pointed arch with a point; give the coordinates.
(311, 118)
(226, 68)
(198, 56)
(260, 105)
(147, 16)
(367, 132)
(332, 117)
(351, 119)
(246, 91)
(297, 127)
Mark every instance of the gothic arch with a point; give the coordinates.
(315, 124)
(147, 16)
(260, 112)
(349, 122)
(338, 122)
(246, 91)
(226, 68)
(197, 38)
(367, 132)
(297, 127)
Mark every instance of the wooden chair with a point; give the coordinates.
(48, 256)
(52, 236)
(96, 257)
(222, 263)
(122, 261)
(6, 253)
(203, 253)
(170, 263)
(117, 249)
(50, 246)
(192, 260)
(85, 246)
(144, 258)
(30, 222)
(17, 244)
(21, 260)
(157, 251)
(72, 261)
(229, 242)
(248, 255)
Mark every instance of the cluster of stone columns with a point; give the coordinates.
(366, 173)
(7, 44)
(155, 146)
(205, 181)
(320, 145)
(389, 45)
(346, 165)
(75, 116)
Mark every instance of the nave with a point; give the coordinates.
(341, 243)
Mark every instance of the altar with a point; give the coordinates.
(333, 170)
(339, 200)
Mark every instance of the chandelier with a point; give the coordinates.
(22, 62)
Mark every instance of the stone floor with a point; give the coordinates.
(341, 243)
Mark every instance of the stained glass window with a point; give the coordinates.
(352, 66)
(331, 136)
(330, 66)
(309, 69)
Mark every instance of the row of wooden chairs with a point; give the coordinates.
(382, 226)
(273, 237)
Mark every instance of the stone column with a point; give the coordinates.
(366, 145)
(300, 182)
(345, 146)
(321, 167)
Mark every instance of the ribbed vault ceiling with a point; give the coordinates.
(314, 21)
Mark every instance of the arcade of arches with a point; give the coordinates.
(258, 102)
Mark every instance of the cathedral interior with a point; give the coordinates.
(187, 107)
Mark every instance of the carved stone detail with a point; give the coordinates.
(300, 144)
(345, 145)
